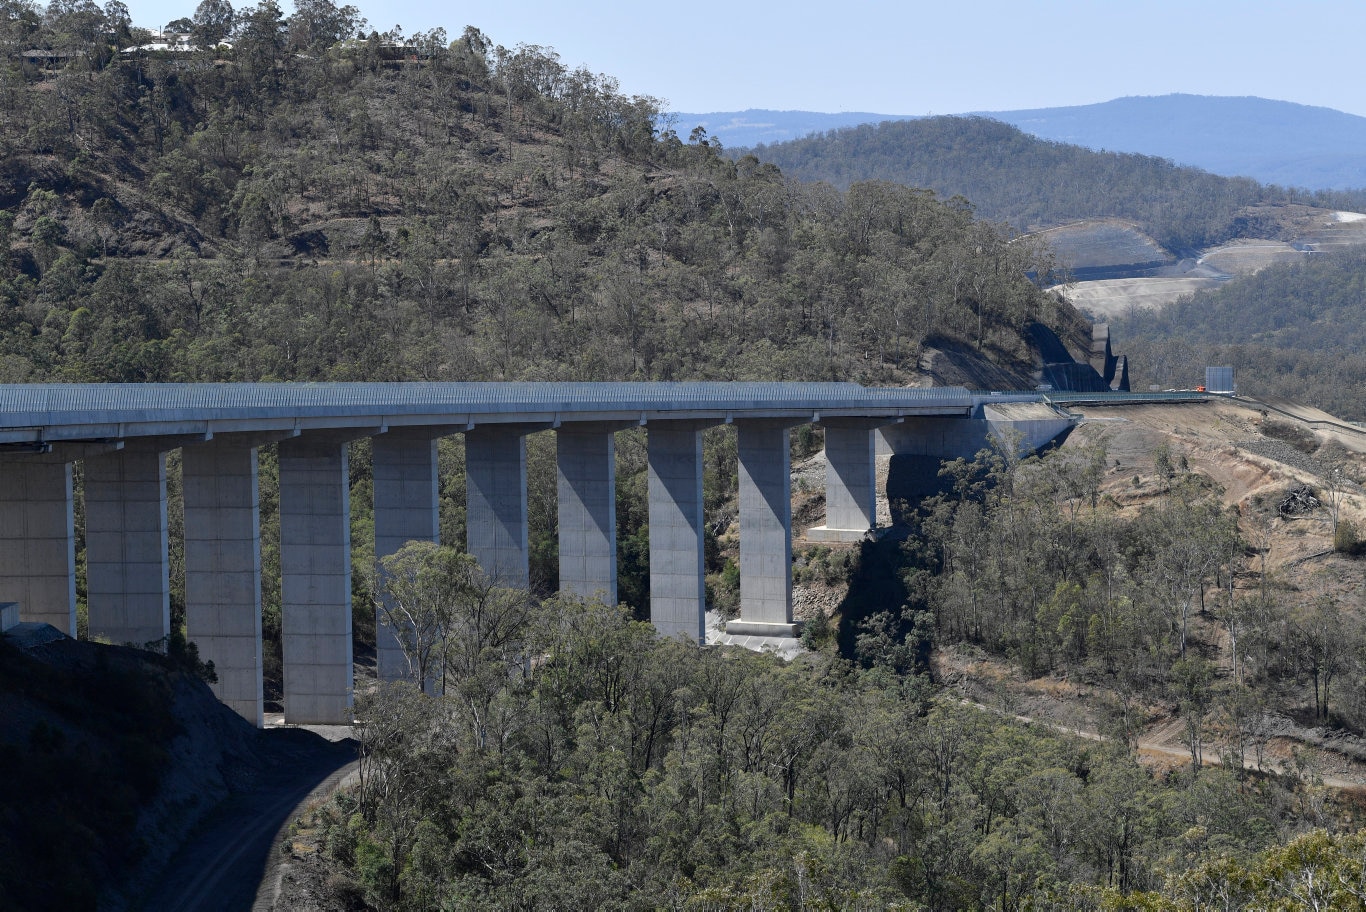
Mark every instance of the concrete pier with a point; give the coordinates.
(495, 505)
(678, 595)
(850, 481)
(406, 509)
(586, 469)
(120, 430)
(37, 542)
(223, 569)
(765, 529)
(128, 587)
(315, 579)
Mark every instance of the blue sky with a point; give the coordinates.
(917, 57)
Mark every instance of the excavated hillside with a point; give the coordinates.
(1116, 269)
(1263, 458)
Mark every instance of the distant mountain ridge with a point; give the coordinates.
(1273, 142)
(759, 126)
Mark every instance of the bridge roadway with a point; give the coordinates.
(121, 433)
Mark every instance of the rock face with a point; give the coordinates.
(1059, 370)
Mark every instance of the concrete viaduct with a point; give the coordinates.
(121, 434)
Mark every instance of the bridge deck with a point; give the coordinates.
(50, 412)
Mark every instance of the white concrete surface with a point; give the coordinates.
(788, 647)
(404, 469)
(128, 581)
(315, 580)
(585, 461)
(37, 542)
(223, 569)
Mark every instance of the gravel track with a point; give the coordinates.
(224, 866)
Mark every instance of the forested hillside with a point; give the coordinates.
(627, 773)
(1295, 330)
(1031, 183)
(309, 205)
(418, 208)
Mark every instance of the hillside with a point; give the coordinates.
(304, 209)
(1115, 269)
(111, 757)
(1291, 330)
(1131, 234)
(1250, 455)
(1272, 142)
(1033, 183)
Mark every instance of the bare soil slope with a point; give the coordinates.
(1118, 268)
(1257, 453)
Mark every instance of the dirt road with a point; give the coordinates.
(223, 867)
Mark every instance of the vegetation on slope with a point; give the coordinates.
(731, 780)
(1028, 560)
(621, 771)
(1292, 330)
(1032, 183)
(300, 208)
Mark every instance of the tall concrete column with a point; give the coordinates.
(495, 506)
(315, 580)
(850, 481)
(678, 596)
(765, 529)
(37, 543)
(128, 587)
(223, 569)
(406, 509)
(586, 468)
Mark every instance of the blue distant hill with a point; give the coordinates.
(1275, 142)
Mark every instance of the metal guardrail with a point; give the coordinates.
(1354, 427)
(1070, 398)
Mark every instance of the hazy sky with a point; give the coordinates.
(918, 57)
